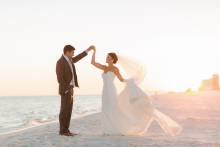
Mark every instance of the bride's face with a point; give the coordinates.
(109, 59)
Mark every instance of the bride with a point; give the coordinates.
(130, 112)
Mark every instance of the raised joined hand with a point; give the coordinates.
(92, 47)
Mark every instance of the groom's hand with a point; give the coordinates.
(92, 47)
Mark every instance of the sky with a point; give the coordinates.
(177, 40)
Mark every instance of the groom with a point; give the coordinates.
(67, 79)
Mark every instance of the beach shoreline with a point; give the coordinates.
(199, 127)
(90, 135)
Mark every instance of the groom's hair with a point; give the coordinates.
(68, 48)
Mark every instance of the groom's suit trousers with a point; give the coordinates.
(65, 112)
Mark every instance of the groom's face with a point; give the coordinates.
(70, 54)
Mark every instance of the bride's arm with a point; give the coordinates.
(96, 64)
(118, 74)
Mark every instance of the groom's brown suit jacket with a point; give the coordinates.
(64, 74)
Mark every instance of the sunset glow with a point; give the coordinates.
(177, 41)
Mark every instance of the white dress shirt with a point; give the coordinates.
(72, 82)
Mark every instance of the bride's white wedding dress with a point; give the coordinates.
(131, 112)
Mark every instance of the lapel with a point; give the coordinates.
(66, 64)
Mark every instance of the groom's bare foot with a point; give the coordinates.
(73, 134)
(66, 134)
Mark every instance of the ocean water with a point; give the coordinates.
(197, 113)
(22, 112)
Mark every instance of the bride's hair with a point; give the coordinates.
(114, 57)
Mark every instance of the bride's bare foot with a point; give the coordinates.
(105, 134)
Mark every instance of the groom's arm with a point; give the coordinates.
(80, 56)
(83, 54)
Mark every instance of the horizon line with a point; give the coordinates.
(44, 95)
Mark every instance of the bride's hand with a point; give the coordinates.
(129, 80)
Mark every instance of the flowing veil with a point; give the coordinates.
(136, 105)
(133, 68)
